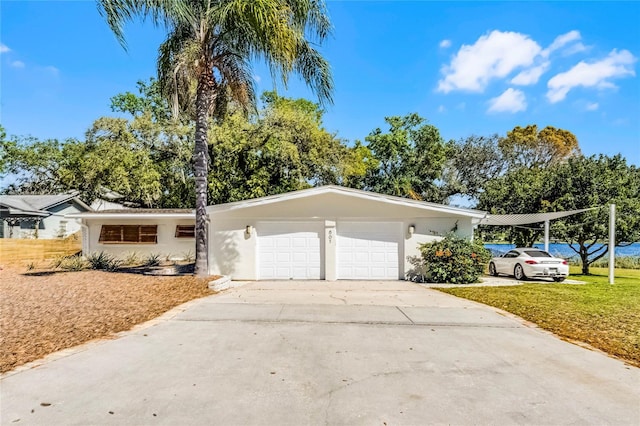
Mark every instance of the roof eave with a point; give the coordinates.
(131, 215)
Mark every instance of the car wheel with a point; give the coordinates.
(559, 279)
(492, 269)
(518, 272)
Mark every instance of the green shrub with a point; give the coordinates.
(73, 263)
(57, 262)
(104, 261)
(189, 256)
(152, 260)
(452, 260)
(131, 259)
(622, 262)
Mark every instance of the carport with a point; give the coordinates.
(546, 218)
(529, 218)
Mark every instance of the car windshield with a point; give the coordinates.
(537, 253)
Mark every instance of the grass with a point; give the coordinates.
(604, 316)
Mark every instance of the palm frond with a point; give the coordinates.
(315, 70)
(161, 12)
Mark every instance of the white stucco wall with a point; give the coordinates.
(168, 245)
(232, 252)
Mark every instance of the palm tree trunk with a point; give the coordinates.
(204, 98)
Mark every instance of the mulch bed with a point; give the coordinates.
(43, 312)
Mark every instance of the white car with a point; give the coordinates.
(525, 263)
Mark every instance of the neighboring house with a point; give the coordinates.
(39, 216)
(327, 233)
(108, 200)
(99, 204)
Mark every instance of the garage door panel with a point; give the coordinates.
(378, 272)
(282, 256)
(368, 250)
(299, 242)
(283, 242)
(289, 250)
(300, 257)
(378, 257)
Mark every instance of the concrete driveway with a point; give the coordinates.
(297, 353)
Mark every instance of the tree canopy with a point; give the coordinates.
(410, 157)
(529, 147)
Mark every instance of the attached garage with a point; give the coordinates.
(369, 250)
(329, 233)
(289, 250)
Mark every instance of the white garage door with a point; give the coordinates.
(289, 250)
(368, 250)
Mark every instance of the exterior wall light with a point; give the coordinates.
(412, 229)
(248, 230)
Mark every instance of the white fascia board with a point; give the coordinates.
(91, 216)
(18, 212)
(350, 192)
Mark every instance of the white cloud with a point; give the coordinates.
(256, 78)
(596, 74)
(492, 56)
(592, 106)
(17, 64)
(4, 48)
(441, 108)
(511, 100)
(445, 44)
(561, 41)
(531, 75)
(53, 70)
(498, 54)
(575, 48)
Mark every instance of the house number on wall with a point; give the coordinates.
(330, 236)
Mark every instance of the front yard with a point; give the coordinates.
(41, 314)
(602, 315)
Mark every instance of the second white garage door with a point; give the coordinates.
(289, 250)
(368, 250)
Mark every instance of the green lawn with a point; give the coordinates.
(602, 315)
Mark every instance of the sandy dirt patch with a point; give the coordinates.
(43, 312)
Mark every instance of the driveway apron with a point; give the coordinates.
(313, 352)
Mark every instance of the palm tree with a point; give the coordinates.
(207, 55)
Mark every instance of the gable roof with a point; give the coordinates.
(350, 192)
(37, 205)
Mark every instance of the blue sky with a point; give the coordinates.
(468, 67)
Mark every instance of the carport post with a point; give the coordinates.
(612, 242)
(546, 235)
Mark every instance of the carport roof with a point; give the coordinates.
(523, 219)
(356, 193)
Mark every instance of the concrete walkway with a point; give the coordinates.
(296, 353)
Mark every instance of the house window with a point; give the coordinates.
(185, 231)
(129, 234)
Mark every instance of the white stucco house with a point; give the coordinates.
(39, 216)
(327, 232)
